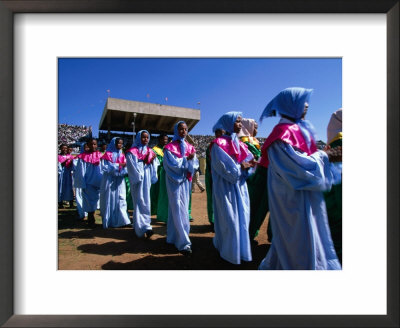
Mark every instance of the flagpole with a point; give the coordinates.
(133, 127)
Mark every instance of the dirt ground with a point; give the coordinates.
(82, 248)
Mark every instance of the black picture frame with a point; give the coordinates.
(10, 7)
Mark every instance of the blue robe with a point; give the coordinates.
(141, 177)
(88, 177)
(65, 191)
(113, 209)
(231, 207)
(302, 239)
(179, 190)
(78, 193)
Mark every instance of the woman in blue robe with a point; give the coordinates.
(230, 161)
(65, 191)
(78, 191)
(180, 163)
(297, 175)
(88, 176)
(113, 209)
(142, 164)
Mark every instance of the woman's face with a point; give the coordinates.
(92, 144)
(182, 130)
(305, 110)
(144, 138)
(64, 150)
(119, 144)
(163, 141)
(237, 126)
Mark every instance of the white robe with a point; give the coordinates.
(301, 236)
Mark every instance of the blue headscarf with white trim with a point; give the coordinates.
(138, 141)
(181, 139)
(226, 122)
(111, 147)
(289, 102)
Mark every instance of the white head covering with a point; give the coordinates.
(248, 125)
(334, 125)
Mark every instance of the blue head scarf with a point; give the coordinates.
(111, 147)
(138, 141)
(178, 137)
(82, 148)
(226, 122)
(289, 102)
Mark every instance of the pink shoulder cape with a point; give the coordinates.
(93, 158)
(66, 158)
(147, 158)
(290, 134)
(108, 157)
(227, 146)
(175, 148)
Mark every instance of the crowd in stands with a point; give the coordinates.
(72, 134)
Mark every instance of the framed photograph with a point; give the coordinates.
(35, 293)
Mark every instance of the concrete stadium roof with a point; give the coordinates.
(118, 115)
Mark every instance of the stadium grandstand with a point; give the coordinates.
(129, 115)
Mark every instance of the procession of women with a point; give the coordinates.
(287, 179)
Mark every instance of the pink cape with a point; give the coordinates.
(228, 147)
(93, 158)
(66, 158)
(147, 158)
(175, 148)
(108, 157)
(290, 134)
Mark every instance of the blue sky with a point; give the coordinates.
(219, 84)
